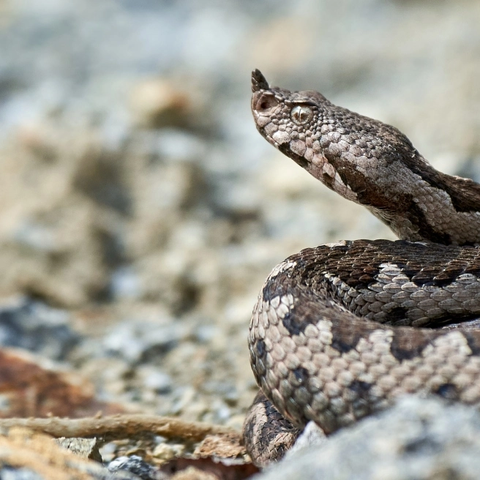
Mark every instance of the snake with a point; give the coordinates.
(342, 330)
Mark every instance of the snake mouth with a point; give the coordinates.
(298, 159)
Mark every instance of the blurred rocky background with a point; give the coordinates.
(140, 211)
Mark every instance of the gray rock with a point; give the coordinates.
(156, 380)
(10, 473)
(417, 439)
(125, 284)
(34, 326)
(133, 464)
(97, 472)
(137, 341)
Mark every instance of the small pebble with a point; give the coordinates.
(135, 465)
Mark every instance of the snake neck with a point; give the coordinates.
(370, 163)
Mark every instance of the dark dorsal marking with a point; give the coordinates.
(295, 322)
(275, 287)
(301, 375)
(344, 340)
(447, 391)
(406, 346)
(360, 388)
(396, 315)
(371, 195)
(463, 192)
(473, 342)
(261, 349)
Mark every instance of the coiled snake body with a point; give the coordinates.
(339, 331)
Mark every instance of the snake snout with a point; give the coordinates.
(263, 102)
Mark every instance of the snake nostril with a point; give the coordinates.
(265, 102)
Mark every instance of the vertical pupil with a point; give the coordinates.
(301, 114)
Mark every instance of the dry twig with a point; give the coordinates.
(119, 426)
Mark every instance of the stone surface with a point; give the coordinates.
(133, 464)
(417, 439)
(27, 455)
(36, 327)
(32, 386)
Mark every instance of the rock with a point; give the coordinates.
(29, 455)
(158, 102)
(417, 439)
(9, 473)
(125, 284)
(34, 326)
(133, 464)
(83, 447)
(156, 380)
(136, 341)
(32, 386)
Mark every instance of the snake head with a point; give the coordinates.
(363, 160)
(287, 119)
(303, 126)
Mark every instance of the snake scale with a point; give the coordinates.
(339, 331)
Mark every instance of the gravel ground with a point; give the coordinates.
(140, 208)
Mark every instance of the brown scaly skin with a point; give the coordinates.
(370, 163)
(331, 337)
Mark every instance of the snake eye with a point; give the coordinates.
(301, 114)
